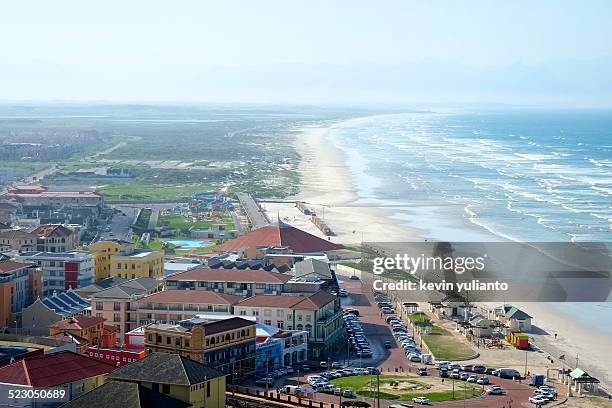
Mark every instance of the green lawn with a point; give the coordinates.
(184, 223)
(444, 346)
(136, 191)
(420, 387)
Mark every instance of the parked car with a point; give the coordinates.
(464, 376)
(348, 393)
(421, 400)
(323, 364)
(305, 367)
(467, 367)
(336, 364)
(479, 369)
(422, 371)
(354, 277)
(484, 380)
(472, 378)
(538, 400)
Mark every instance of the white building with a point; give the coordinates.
(61, 270)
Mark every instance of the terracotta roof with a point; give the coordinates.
(285, 236)
(52, 230)
(78, 323)
(11, 266)
(191, 296)
(226, 324)
(54, 369)
(230, 275)
(312, 302)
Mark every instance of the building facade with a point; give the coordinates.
(172, 306)
(61, 270)
(227, 344)
(116, 304)
(20, 285)
(102, 252)
(319, 315)
(240, 282)
(54, 238)
(17, 240)
(138, 264)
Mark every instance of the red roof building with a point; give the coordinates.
(52, 370)
(282, 235)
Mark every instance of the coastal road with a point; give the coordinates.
(253, 211)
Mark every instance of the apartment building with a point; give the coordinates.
(227, 344)
(116, 304)
(239, 282)
(20, 285)
(172, 306)
(102, 252)
(36, 195)
(137, 264)
(319, 315)
(61, 270)
(54, 238)
(17, 240)
(36, 318)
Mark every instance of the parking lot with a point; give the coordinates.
(390, 355)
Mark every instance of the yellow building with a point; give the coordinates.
(139, 264)
(102, 252)
(178, 377)
(229, 344)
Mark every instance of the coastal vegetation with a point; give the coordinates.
(440, 342)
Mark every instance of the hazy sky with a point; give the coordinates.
(308, 51)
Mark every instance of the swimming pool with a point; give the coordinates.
(188, 243)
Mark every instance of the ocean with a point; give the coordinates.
(487, 175)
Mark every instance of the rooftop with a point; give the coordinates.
(120, 394)
(191, 297)
(65, 303)
(230, 275)
(10, 266)
(313, 302)
(166, 369)
(77, 323)
(51, 370)
(279, 235)
(52, 230)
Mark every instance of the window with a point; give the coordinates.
(166, 388)
(267, 312)
(243, 313)
(268, 322)
(99, 306)
(280, 324)
(208, 389)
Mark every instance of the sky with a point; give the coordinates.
(364, 52)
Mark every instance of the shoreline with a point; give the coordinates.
(329, 188)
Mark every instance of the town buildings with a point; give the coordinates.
(319, 315)
(90, 328)
(137, 264)
(102, 252)
(61, 270)
(240, 282)
(173, 306)
(73, 373)
(227, 344)
(279, 348)
(37, 195)
(282, 235)
(116, 356)
(181, 378)
(36, 318)
(54, 238)
(17, 240)
(116, 304)
(20, 285)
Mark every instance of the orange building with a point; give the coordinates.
(20, 285)
(90, 328)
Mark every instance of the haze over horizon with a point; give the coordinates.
(364, 53)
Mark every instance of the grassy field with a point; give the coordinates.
(184, 223)
(134, 191)
(408, 387)
(444, 346)
(25, 168)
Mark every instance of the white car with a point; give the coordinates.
(421, 400)
(538, 400)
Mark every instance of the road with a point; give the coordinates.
(119, 225)
(253, 211)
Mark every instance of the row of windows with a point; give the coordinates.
(111, 357)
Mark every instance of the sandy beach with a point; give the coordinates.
(328, 188)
